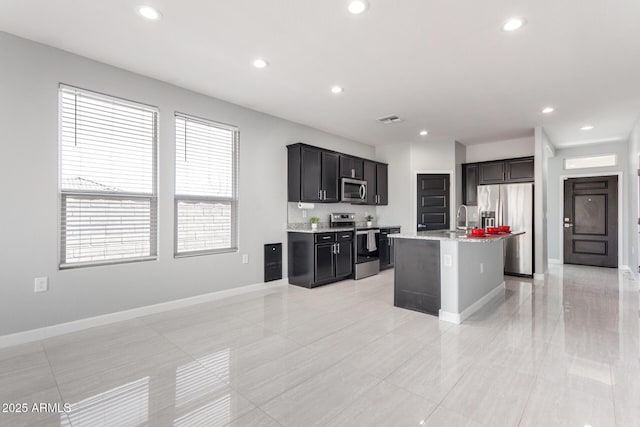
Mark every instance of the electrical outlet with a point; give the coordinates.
(481, 268)
(245, 259)
(447, 260)
(41, 284)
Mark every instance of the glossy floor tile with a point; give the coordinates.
(560, 352)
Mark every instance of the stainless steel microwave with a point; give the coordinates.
(353, 190)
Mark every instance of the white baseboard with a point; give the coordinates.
(458, 318)
(538, 276)
(105, 319)
(555, 261)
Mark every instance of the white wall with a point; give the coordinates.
(632, 180)
(555, 190)
(544, 149)
(507, 149)
(29, 78)
(408, 160)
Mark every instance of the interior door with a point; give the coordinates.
(591, 221)
(433, 202)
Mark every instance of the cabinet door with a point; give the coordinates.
(470, 185)
(384, 251)
(344, 258)
(329, 182)
(382, 185)
(324, 267)
(491, 173)
(520, 170)
(370, 173)
(350, 167)
(311, 172)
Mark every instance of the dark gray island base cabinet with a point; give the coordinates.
(417, 275)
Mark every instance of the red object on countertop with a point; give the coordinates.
(504, 228)
(493, 230)
(477, 232)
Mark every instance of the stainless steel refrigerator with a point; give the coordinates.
(510, 204)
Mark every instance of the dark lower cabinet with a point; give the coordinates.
(319, 258)
(386, 247)
(324, 267)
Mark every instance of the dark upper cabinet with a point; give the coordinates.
(520, 170)
(376, 175)
(312, 174)
(351, 167)
(470, 184)
(329, 177)
(491, 173)
(382, 185)
(494, 172)
(370, 174)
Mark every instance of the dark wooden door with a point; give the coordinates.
(433, 202)
(324, 256)
(370, 174)
(470, 184)
(329, 177)
(591, 221)
(491, 173)
(344, 258)
(382, 185)
(311, 172)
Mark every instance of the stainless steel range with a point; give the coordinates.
(367, 259)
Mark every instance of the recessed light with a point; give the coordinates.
(260, 63)
(424, 133)
(548, 110)
(337, 89)
(588, 127)
(513, 24)
(356, 7)
(149, 13)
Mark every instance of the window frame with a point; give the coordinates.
(233, 200)
(62, 195)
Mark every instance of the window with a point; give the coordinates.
(206, 200)
(590, 162)
(108, 204)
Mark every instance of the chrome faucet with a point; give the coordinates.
(466, 217)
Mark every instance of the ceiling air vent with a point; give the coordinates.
(387, 120)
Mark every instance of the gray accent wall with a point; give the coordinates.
(555, 190)
(29, 78)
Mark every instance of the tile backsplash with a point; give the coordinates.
(299, 218)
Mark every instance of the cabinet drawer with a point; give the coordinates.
(325, 237)
(345, 236)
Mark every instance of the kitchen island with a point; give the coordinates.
(447, 273)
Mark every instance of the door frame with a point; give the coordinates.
(620, 175)
(452, 193)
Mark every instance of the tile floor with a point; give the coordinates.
(560, 353)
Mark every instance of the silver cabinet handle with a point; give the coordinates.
(346, 236)
(338, 246)
(326, 237)
(320, 195)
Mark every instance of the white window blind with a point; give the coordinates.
(206, 199)
(107, 179)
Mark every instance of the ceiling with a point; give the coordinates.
(445, 66)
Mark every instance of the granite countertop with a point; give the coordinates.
(337, 229)
(320, 230)
(454, 235)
